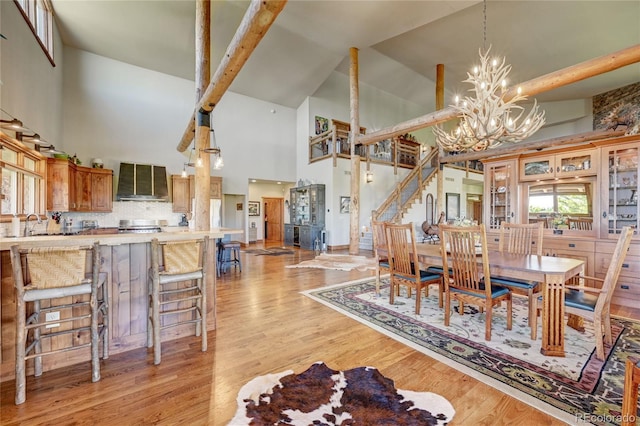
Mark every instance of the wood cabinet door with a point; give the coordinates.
(102, 190)
(59, 185)
(215, 190)
(181, 194)
(82, 198)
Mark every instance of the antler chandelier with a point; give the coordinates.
(487, 120)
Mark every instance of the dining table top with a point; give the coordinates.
(513, 262)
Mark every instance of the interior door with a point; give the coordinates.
(273, 219)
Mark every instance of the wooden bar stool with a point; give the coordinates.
(177, 289)
(53, 279)
(228, 254)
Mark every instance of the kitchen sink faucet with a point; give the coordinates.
(26, 223)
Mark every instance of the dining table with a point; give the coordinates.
(551, 271)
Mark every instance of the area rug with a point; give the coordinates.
(341, 262)
(322, 396)
(577, 388)
(271, 251)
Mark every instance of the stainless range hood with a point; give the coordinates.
(142, 182)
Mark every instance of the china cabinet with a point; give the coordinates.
(568, 164)
(306, 213)
(619, 188)
(501, 193)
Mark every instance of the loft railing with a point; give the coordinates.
(407, 191)
(334, 143)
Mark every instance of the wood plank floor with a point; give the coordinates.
(264, 326)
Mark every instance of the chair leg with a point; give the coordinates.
(509, 313)
(36, 337)
(95, 353)
(392, 291)
(606, 323)
(447, 308)
(487, 325)
(418, 296)
(21, 341)
(156, 322)
(203, 313)
(597, 328)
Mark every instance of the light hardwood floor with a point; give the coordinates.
(264, 326)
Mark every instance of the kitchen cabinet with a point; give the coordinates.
(581, 249)
(288, 234)
(184, 190)
(619, 189)
(70, 188)
(568, 164)
(500, 193)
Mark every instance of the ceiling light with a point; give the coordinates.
(486, 119)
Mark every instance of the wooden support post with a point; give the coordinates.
(354, 206)
(439, 106)
(255, 23)
(203, 128)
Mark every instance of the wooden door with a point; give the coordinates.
(273, 219)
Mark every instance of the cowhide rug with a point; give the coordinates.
(342, 262)
(322, 396)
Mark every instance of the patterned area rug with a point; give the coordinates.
(322, 396)
(577, 389)
(341, 262)
(271, 251)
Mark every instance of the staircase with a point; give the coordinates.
(408, 191)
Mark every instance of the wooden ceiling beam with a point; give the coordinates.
(255, 23)
(572, 74)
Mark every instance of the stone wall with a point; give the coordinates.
(617, 108)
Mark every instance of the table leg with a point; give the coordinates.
(553, 316)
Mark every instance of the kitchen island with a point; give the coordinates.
(126, 258)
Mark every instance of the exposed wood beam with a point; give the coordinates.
(572, 74)
(255, 23)
(528, 146)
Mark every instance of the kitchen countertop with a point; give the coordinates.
(169, 233)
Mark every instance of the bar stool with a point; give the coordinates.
(228, 254)
(59, 276)
(177, 289)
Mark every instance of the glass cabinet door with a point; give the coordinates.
(622, 164)
(501, 194)
(538, 168)
(580, 163)
(313, 205)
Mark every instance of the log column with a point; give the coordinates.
(354, 205)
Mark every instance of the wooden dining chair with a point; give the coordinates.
(593, 303)
(467, 280)
(379, 243)
(630, 393)
(580, 224)
(404, 266)
(66, 281)
(177, 289)
(522, 239)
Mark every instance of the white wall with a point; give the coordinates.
(259, 190)
(31, 89)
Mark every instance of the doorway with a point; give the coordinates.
(273, 220)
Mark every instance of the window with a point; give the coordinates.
(39, 17)
(564, 198)
(22, 189)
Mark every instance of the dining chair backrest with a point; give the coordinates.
(379, 236)
(581, 224)
(461, 246)
(402, 250)
(520, 238)
(615, 267)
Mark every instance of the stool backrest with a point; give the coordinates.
(52, 267)
(179, 257)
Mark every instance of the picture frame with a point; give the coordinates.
(344, 204)
(452, 205)
(322, 124)
(239, 207)
(254, 208)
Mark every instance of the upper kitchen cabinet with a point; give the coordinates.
(72, 188)
(619, 188)
(569, 164)
(500, 193)
(184, 190)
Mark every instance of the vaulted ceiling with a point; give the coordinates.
(400, 42)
